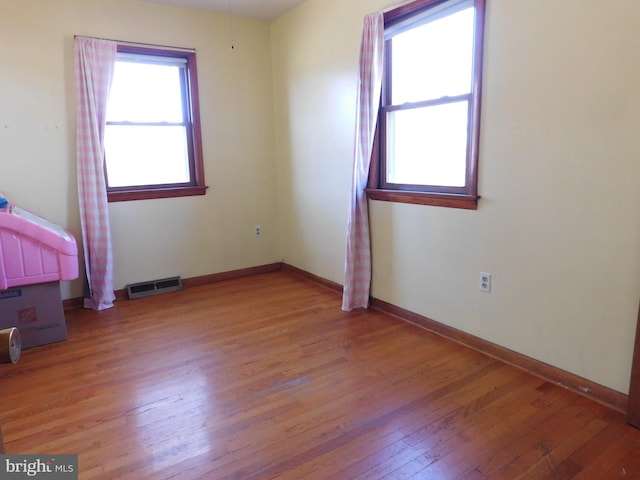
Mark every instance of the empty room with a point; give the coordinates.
(270, 273)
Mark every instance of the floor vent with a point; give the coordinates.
(154, 287)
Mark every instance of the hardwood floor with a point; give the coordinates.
(266, 378)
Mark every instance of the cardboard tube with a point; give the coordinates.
(10, 345)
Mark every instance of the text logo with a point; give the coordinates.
(50, 467)
(10, 294)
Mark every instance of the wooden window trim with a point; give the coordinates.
(196, 164)
(158, 191)
(450, 200)
(466, 197)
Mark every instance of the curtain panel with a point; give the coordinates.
(357, 282)
(94, 64)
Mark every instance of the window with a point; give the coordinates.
(153, 145)
(428, 124)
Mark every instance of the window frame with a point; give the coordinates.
(455, 197)
(196, 185)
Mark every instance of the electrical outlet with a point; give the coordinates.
(257, 231)
(485, 282)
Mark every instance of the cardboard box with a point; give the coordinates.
(35, 310)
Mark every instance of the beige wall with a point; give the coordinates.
(152, 238)
(559, 222)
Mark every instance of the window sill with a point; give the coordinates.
(468, 202)
(169, 192)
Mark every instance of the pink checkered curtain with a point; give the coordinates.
(357, 281)
(94, 63)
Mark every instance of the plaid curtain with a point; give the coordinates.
(94, 63)
(357, 281)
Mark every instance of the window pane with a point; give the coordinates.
(143, 155)
(143, 92)
(433, 60)
(428, 146)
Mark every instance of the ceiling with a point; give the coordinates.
(258, 9)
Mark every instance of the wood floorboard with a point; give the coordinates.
(264, 377)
